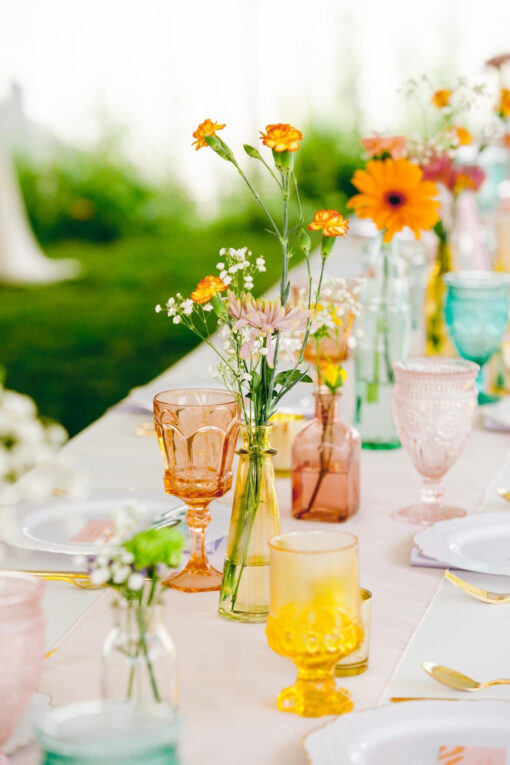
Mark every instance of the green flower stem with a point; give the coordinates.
(257, 197)
(249, 505)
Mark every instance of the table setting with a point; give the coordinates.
(249, 569)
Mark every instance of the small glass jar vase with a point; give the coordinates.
(244, 595)
(139, 660)
(325, 465)
(383, 333)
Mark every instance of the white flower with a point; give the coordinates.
(135, 582)
(177, 320)
(223, 275)
(220, 266)
(158, 308)
(99, 576)
(207, 307)
(187, 307)
(223, 251)
(120, 573)
(261, 264)
(232, 269)
(227, 280)
(80, 561)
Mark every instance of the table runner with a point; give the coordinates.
(229, 677)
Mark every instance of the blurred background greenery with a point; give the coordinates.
(78, 347)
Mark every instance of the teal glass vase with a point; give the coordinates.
(476, 313)
(383, 334)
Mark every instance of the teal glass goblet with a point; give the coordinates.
(476, 313)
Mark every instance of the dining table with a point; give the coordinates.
(228, 676)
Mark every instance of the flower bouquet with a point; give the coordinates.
(255, 335)
(138, 655)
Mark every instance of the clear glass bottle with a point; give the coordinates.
(325, 465)
(255, 519)
(383, 333)
(139, 659)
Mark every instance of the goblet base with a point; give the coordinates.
(314, 700)
(487, 398)
(381, 445)
(192, 579)
(427, 514)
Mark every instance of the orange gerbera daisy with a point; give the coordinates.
(441, 98)
(503, 107)
(463, 135)
(281, 137)
(207, 288)
(331, 223)
(207, 127)
(394, 195)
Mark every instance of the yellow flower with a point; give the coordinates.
(281, 137)
(333, 376)
(464, 136)
(503, 107)
(331, 223)
(207, 288)
(394, 195)
(207, 127)
(441, 98)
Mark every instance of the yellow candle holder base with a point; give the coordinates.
(347, 670)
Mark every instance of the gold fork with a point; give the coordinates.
(484, 595)
(80, 580)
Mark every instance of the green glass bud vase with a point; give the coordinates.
(383, 336)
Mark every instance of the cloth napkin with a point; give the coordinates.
(418, 559)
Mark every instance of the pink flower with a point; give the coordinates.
(456, 178)
(395, 145)
(264, 318)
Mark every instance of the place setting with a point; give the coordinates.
(238, 544)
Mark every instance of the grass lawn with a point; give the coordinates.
(78, 347)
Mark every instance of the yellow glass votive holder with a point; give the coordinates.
(357, 662)
(286, 425)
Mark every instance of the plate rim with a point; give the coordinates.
(352, 719)
(438, 532)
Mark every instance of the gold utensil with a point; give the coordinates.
(457, 680)
(145, 429)
(398, 699)
(504, 494)
(77, 578)
(485, 596)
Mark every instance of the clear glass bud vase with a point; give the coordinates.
(244, 595)
(139, 660)
(325, 465)
(383, 336)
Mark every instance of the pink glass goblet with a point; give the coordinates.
(434, 400)
(21, 646)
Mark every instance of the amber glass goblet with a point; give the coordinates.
(314, 615)
(197, 433)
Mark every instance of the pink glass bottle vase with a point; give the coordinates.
(325, 465)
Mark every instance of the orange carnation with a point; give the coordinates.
(506, 141)
(330, 222)
(464, 136)
(503, 107)
(207, 288)
(207, 127)
(281, 137)
(441, 98)
(394, 145)
(394, 195)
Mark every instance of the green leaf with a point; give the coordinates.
(291, 377)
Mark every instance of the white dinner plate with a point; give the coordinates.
(412, 733)
(53, 526)
(479, 542)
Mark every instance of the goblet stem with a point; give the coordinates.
(432, 491)
(198, 575)
(314, 693)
